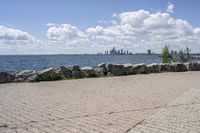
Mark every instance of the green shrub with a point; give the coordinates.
(166, 56)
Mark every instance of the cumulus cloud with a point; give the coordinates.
(66, 34)
(170, 8)
(155, 29)
(136, 30)
(15, 36)
(13, 41)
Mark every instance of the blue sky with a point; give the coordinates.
(31, 17)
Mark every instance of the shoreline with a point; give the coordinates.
(101, 70)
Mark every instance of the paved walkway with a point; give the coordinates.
(167, 102)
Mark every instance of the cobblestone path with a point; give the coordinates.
(166, 102)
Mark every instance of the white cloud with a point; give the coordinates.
(51, 24)
(66, 34)
(136, 30)
(155, 29)
(15, 36)
(15, 41)
(170, 8)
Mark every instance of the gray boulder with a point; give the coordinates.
(153, 68)
(164, 67)
(76, 71)
(139, 68)
(193, 66)
(87, 72)
(128, 69)
(26, 76)
(172, 67)
(49, 74)
(66, 72)
(100, 72)
(101, 68)
(180, 67)
(102, 65)
(115, 69)
(6, 77)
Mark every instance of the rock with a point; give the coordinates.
(115, 69)
(128, 69)
(193, 66)
(99, 72)
(164, 67)
(49, 74)
(26, 76)
(66, 72)
(76, 71)
(139, 68)
(87, 72)
(171, 67)
(109, 74)
(6, 77)
(180, 67)
(153, 68)
(102, 67)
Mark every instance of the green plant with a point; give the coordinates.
(184, 55)
(166, 56)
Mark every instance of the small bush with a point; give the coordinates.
(184, 55)
(166, 56)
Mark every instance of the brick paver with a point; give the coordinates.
(139, 103)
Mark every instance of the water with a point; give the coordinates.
(38, 62)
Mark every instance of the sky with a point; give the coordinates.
(91, 26)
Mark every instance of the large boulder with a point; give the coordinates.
(6, 77)
(115, 69)
(49, 74)
(139, 68)
(193, 66)
(180, 67)
(26, 76)
(102, 65)
(76, 71)
(87, 72)
(172, 67)
(66, 72)
(153, 68)
(164, 67)
(128, 69)
(101, 70)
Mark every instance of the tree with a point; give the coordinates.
(184, 55)
(166, 56)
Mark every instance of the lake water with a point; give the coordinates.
(37, 62)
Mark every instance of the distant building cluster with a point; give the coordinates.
(117, 52)
(173, 52)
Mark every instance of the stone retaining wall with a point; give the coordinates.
(100, 70)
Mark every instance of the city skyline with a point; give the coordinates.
(77, 27)
(115, 51)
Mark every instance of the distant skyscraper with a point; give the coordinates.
(122, 51)
(172, 52)
(115, 51)
(149, 51)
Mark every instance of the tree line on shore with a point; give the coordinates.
(183, 55)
